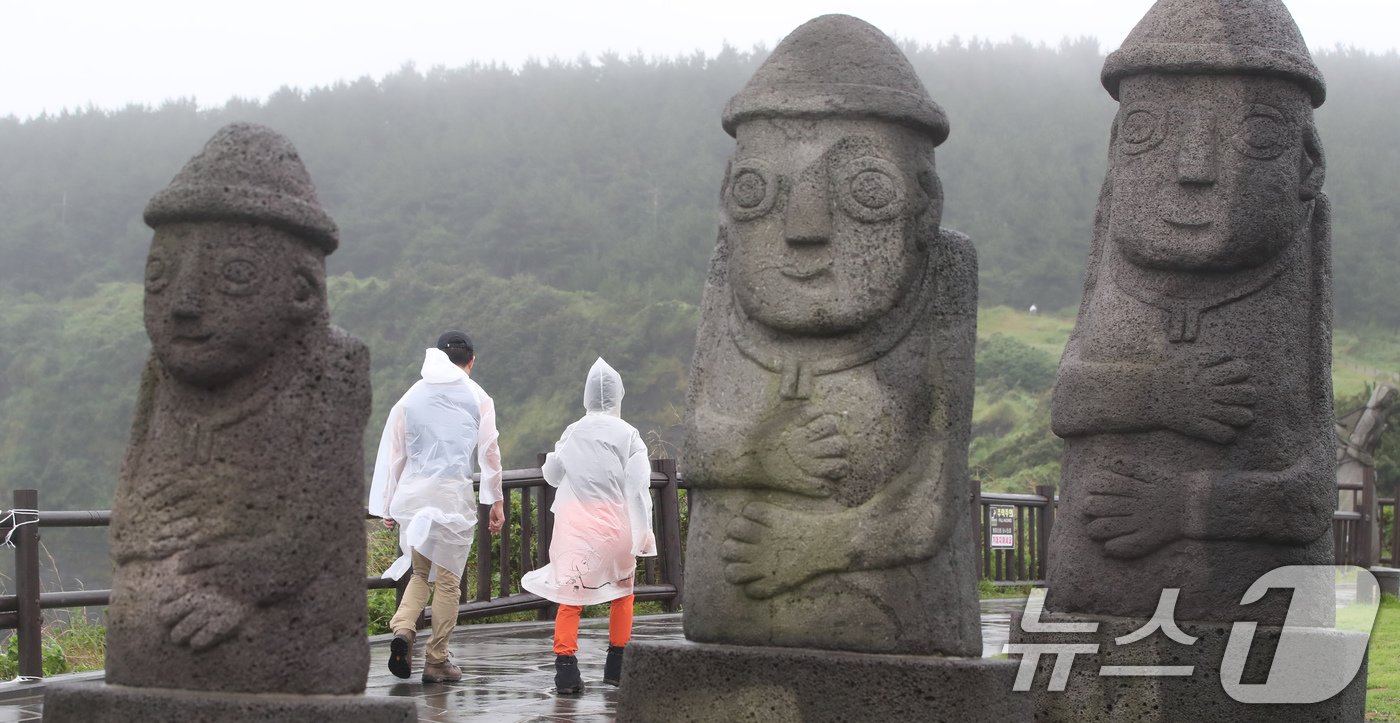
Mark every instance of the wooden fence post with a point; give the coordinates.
(483, 556)
(1395, 532)
(1368, 526)
(30, 627)
(670, 542)
(1047, 523)
(544, 523)
(977, 526)
(503, 559)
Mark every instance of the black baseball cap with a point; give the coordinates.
(454, 340)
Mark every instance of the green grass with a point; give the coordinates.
(986, 589)
(1046, 332)
(1353, 350)
(1383, 681)
(73, 644)
(1012, 448)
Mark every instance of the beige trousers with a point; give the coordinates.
(446, 592)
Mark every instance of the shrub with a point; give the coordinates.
(1015, 364)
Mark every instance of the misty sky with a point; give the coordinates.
(57, 54)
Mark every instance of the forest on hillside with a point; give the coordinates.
(567, 210)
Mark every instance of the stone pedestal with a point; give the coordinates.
(1091, 697)
(686, 682)
(104, 703)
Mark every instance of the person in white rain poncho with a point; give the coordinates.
(423, 484)
(602, 523)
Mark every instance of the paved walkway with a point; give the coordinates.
(508, 672)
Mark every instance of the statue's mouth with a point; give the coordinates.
(193, 339)
(1187, 222)
(800, 274)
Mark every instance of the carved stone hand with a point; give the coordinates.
(806, 458)
(1135, 511)
(771, 549)
(203, 618)
(1207, 396)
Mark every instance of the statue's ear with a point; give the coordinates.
(307, 295)
(1313, 166)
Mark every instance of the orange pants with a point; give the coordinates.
(566, 625)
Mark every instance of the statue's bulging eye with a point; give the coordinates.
(1140, 130)
(753, 189)
(238, 277)
(870, 189)
(749, 189)
(157, 275)
(1263, 133)
(873, 189)
(240, 271)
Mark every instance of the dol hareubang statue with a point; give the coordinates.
(830, 402)
(832, 384)
(1195, 393)
(237, 528)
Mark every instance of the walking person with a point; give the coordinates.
(423, 485)
(602, 523)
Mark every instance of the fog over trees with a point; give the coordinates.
(560, 212)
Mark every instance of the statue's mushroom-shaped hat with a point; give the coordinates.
(1249, 37)
(838, 66)
(247, 172)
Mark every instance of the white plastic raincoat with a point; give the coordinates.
(423, 475)
(602, 513)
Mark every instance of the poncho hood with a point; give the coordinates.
(438, 369)
(602, 392)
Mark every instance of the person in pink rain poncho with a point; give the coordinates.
(602, 523)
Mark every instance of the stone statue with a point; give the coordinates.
(831, 389)
(828, 417)
(1195, 394)
(238, 522)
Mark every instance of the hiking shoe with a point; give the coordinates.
(444, 672)
(401, 653)
(567, 681)
(612, 670)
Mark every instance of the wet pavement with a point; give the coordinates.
(508, 672)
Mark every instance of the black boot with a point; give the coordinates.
(401, 653)
(566, 678)
(612, 669)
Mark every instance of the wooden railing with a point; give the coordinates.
(491, 588)
(1390, 531)
(1366, 541)
(1032, 517)
(1348, 537)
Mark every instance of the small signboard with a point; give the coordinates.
(1002, 530)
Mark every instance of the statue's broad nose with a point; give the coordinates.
(189, 303)
(807, 219)
(1196, 158)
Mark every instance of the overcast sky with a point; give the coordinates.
(57, 54)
